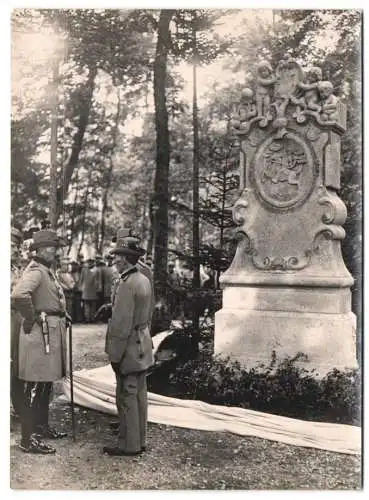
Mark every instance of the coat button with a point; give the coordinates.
(138, 342)
(141, 356)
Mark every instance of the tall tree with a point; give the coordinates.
(160, 198)
(53, 213)
(195, 172)
(103, 40)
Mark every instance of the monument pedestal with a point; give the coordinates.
(255, 321)
(288, 289)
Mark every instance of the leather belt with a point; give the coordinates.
(141, 327)
(59, 314)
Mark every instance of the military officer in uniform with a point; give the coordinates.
(129, 346)
(109, 276)
(100, 267)
(66, 279)
(39, 298)
(16, 385)
(90, 283)
(142, 266)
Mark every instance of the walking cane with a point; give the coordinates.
(71, 382)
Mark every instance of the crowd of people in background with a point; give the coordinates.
(87, 285)
(87, 282)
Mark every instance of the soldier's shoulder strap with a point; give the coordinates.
(124, 276)
(144, 265)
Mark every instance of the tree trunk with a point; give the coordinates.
(73, 218)
(224, 194)
(222, 220)
(150, 241)
(84, 111)
(109, 177)
(161, 182)
(53, 214)
(195, 194)
(84, 211)
(195, 186)
(97, 229)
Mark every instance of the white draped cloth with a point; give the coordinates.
(95, 389)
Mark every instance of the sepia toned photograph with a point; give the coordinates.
(186, 249)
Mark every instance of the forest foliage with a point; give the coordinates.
(125, 134)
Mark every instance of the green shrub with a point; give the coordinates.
(282, 387)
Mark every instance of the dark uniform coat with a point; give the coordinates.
(38, 290)
(128, 339)
(90, 283)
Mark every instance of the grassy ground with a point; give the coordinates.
(177, 459)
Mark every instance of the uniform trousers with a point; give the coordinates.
(78, 312)
(131, 400)
(35, 407)
(89, 310)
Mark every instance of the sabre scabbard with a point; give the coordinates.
(45, 332)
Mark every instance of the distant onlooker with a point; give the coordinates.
(45, 224)
(173, 275)
(89, 286)
(208, 277)
(26, 253)
(67, 282)
(174, 295)
(186, 274)
(110, 273)
(76, 271)
(100, 265)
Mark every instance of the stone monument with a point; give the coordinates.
(288, 289)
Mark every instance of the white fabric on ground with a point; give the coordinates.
(96, 389)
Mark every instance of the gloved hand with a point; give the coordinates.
(104, 311)
(68, 319)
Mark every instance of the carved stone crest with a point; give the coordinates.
(289, 74)
(284, 172)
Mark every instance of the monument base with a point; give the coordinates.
(254, 322)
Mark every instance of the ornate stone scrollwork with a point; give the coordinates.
(291, 263)
(239, 211)
(245, 243)
(336, 211)
(332, 233)
(289, 122)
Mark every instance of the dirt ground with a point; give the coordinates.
(177, 459)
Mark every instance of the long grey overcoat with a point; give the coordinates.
(90, 283)
(15, 325)
(128, 339)
(38, 290)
